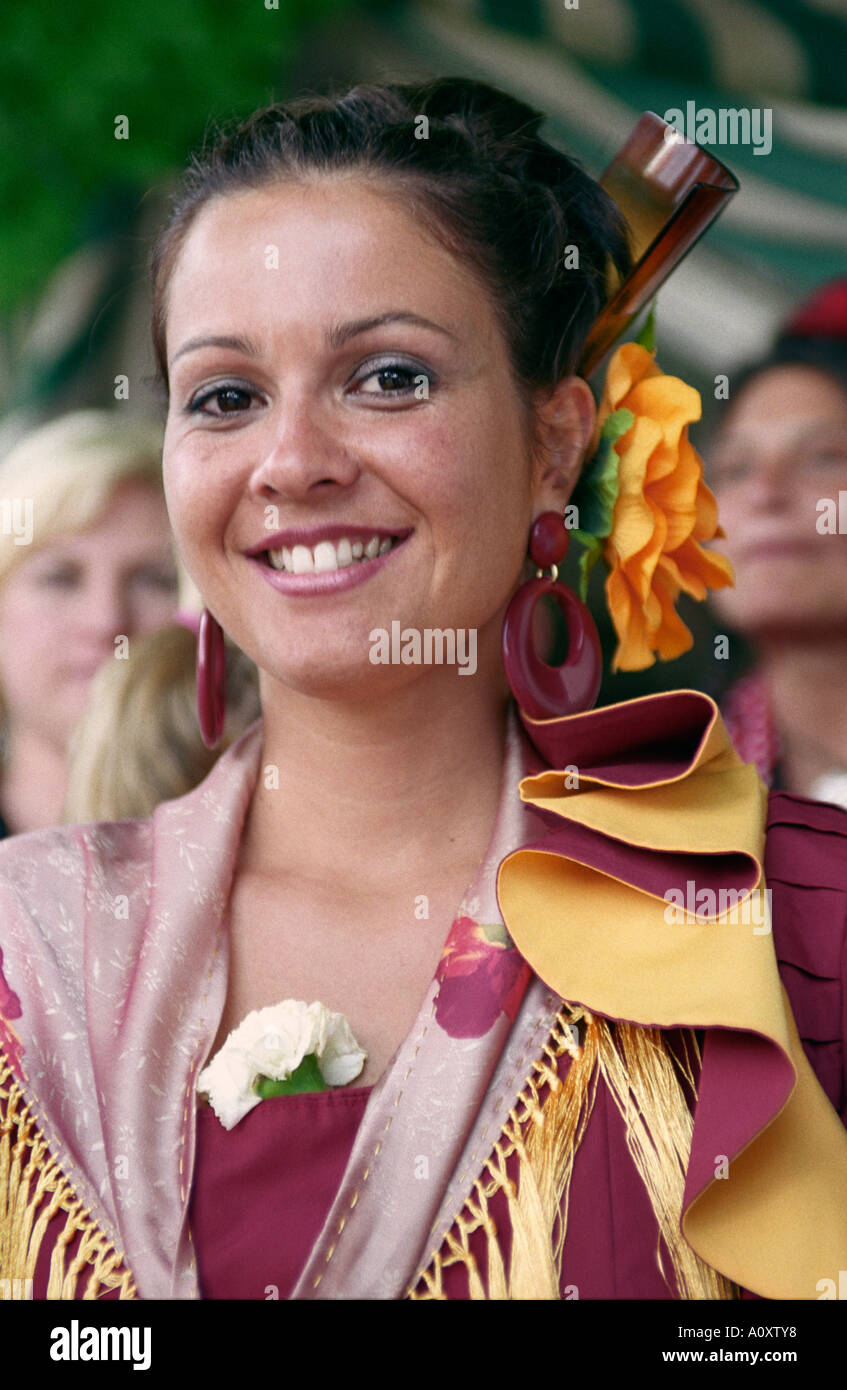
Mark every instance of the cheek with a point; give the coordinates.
(177, 479)
(734, 512)
(152, 611)
(476, 481)
(195, 507)
(31, 639)
(31, 617)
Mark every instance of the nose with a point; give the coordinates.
(302, 453)
(107, 611)
(771, 479)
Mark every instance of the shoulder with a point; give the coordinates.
(818, 817)
(69, 878)
(806, 856)
(55, 883)
(63, 856)
(67, 857)
(806, 872)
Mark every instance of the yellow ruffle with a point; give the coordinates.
(777, 1225)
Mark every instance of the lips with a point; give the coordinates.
(314, 560)
(776, 547)
(327, 555)
(82, 673)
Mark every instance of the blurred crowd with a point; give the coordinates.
(96, 659)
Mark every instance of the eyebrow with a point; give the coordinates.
(342, 332)
(335, 337)
(802, 432)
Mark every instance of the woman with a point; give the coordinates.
(139, 742)
(369, 343)
(779, 468)
(86, 566)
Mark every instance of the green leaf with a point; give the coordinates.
(617, 424)
(647, 337)
(597, 490)
(306, 1077)
(587, 560)
(596, 493)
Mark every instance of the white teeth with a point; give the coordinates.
(325, 557)
(302, 560)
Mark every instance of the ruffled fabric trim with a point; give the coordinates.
(806, 864)
(673, 806)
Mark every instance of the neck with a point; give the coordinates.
(388, 785)
(32, 789)
(805, 681)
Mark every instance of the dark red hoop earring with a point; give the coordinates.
(211, 679)
(542, 691)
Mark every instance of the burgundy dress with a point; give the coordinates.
(262, 1190)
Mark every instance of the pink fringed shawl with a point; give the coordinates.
(116, 961)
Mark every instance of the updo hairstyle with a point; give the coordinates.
(475, 173)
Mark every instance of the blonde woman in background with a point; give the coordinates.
(85, 557)
(139, 742)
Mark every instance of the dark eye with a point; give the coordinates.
(826, 456)
(730, 468)
(154, 577)
(61, 577)
(230, 400)
(395, 379)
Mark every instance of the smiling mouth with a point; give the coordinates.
(326, 556)
(788, 546)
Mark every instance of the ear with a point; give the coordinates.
(564, 429)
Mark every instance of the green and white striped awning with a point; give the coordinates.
(794, 49)
(596, 66)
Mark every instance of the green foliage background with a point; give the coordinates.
(68, 68)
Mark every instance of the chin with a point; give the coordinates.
(348, 681)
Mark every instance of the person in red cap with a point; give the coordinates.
(822, 315)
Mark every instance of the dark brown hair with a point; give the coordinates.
(476, 173)
(828, 356)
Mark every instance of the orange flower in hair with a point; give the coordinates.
(657, 509)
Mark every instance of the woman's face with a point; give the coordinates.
(783, 448)
(298, 420)
(63, 606)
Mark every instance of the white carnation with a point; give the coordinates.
(273, 1042)
(341, 1058)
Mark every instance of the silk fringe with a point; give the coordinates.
(34, 1191)
(544, 1130)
